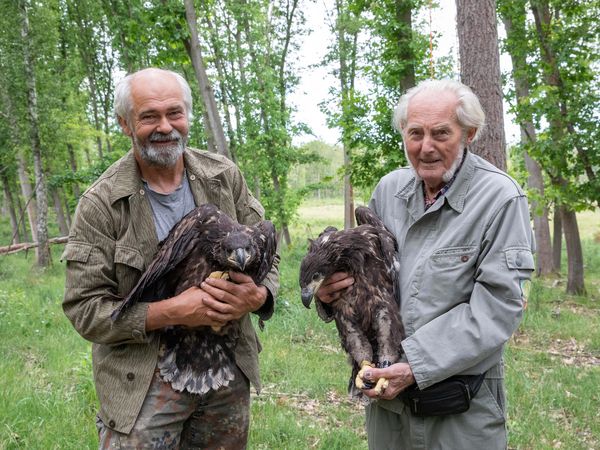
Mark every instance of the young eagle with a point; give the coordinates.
(367, 315)
(205, 242)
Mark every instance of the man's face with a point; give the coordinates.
(158, 123)
(433, 138)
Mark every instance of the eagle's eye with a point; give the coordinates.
(316, 276)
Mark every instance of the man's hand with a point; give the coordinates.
(399, 375)
(230, 300)
(334, 286)
(190, 308)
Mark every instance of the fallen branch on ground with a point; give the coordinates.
(14, 248)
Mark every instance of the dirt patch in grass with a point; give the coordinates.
(569, 351)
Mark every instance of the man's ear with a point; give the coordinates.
(471, 134)
(125, 126)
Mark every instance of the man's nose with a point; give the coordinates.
(164, 125)
(428, 143)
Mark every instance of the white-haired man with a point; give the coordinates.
(466, 247)
(119, 222)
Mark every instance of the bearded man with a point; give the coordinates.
(465, 249)
(119, 223)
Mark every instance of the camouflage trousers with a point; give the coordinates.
(180, 420)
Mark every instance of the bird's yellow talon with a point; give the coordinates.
(219, 274)
(360, 383)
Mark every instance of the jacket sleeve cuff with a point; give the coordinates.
(416, 363)
(265, 312)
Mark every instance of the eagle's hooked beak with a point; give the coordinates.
(306, 295)
(241, 257)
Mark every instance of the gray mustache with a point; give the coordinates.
(160, 137)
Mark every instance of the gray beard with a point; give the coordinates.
(162, 156)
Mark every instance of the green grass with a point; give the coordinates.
(47, 400)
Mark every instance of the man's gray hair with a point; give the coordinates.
(469, 112)
(123, 102)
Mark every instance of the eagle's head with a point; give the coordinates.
(320, 262)
(237, 249)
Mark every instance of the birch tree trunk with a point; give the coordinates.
(480, 70)
(43, 250)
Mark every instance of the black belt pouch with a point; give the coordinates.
(450, 396)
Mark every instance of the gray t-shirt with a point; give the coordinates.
(168, 209)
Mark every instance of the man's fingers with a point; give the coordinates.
(334, 278)
(240, 277)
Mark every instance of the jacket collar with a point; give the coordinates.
(128, 180)
(412, 193)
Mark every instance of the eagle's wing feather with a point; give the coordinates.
(176, 247)
(268, 244)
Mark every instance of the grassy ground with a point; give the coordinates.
(47, 400)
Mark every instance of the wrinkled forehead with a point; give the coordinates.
(433, 107)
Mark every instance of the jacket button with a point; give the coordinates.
(111, 423)
(130, 376)
(464, 258)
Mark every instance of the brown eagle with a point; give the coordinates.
(203, 242)
(367, 315)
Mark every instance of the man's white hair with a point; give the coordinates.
(123, 103)
(469, 112)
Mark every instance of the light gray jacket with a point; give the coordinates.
(462, 266)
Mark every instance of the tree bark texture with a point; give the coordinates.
(557, 232)
(575, 281)
(480, 70)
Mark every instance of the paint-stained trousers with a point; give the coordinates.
(179, 420)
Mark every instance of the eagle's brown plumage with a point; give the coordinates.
(204, 241)
(367, 315)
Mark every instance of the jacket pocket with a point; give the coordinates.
(76, 251)
(129, 264)
(129, 256)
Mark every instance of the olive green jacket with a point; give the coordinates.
(111, 242)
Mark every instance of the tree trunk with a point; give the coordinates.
(535, 180)
(213, 127)
(349, 219)
(27, 193)
(10, 206)
(541, 225)
(43, 250)
(480, 70)
(73, 163)
(404, 38)
(575, 283)
(60, 214)
(557, 239)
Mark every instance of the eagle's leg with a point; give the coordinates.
(388, 330)
(224, 276)
(356, 345)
